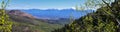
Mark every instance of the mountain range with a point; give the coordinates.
(43, 19)
(57, 16)
(54, 16)
(56, 13)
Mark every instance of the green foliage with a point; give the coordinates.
(103, 20)
(5, 24)
(94, 4)
(92, 23)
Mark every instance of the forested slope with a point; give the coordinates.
(105, 19)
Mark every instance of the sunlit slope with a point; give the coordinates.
(23, 24)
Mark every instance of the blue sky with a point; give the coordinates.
(44, 4)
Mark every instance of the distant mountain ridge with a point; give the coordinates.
(53, 16)
(56, 13)
(19, 16)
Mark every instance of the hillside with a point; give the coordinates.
(103, 20)
(23, 22)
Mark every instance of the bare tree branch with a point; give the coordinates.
(107, 4)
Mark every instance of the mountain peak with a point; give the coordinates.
(20, 13)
